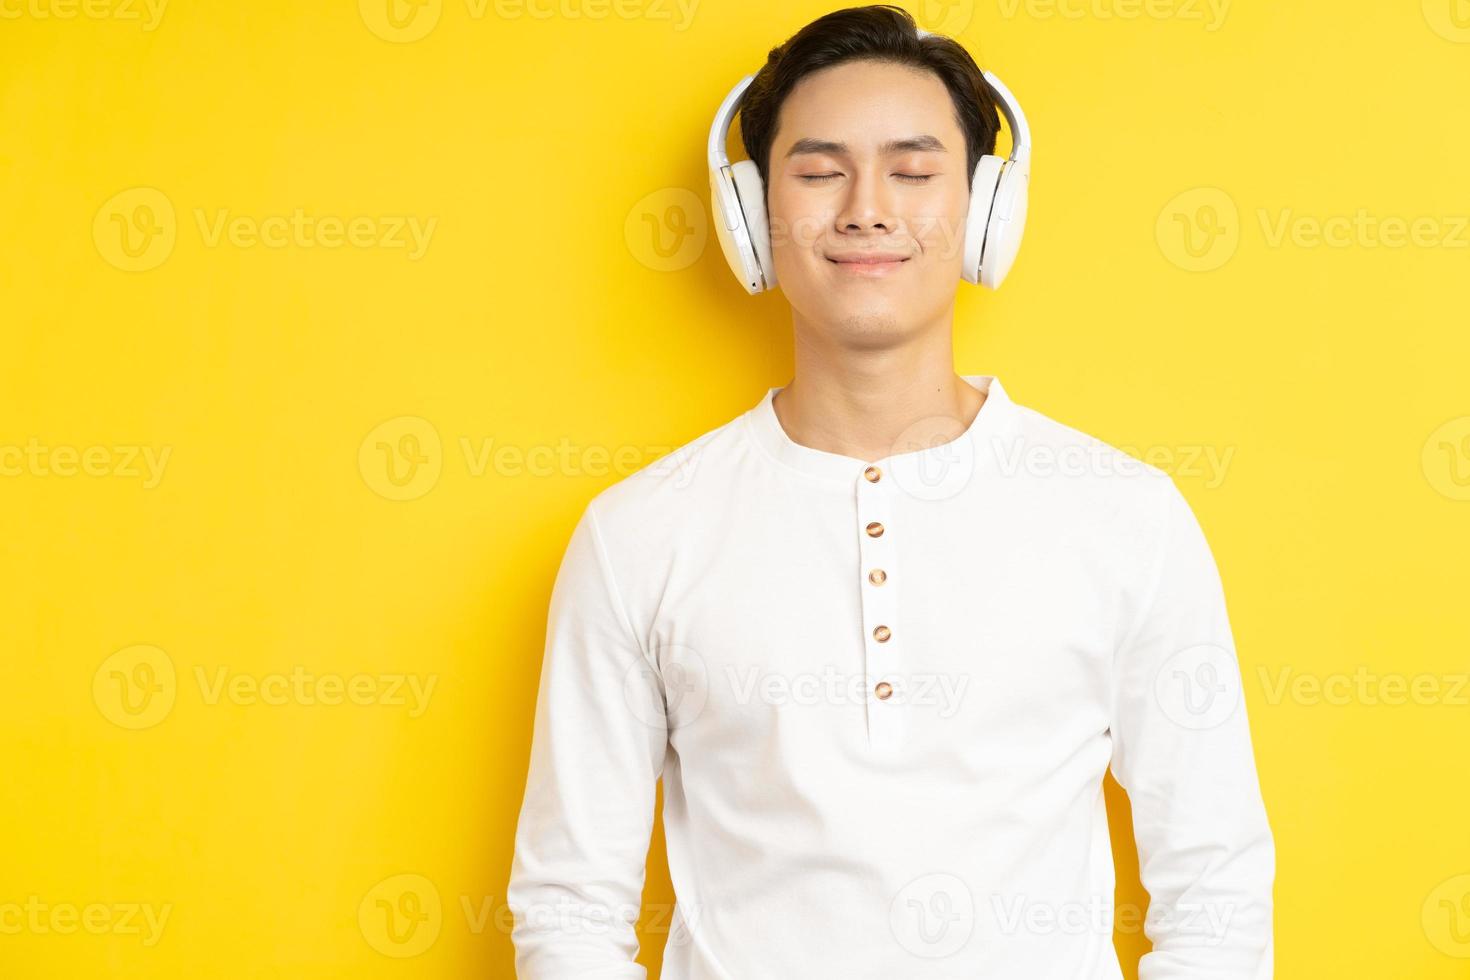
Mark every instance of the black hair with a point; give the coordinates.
(878, 32)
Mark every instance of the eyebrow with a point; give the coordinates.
(913, 144)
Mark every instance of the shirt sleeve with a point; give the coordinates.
(1182, 750)
(597, 751)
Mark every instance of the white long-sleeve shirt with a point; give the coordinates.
(882, 698)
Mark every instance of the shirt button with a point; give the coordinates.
(877, 576)
(884, 690)
(875, 530)
(882, 633)
(873, 474)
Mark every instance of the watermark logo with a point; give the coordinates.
(1199, 230)
(400, 21)
(146, 13)
(667, 229)
(138, 686)
(938, 458)
(1096, 458)
(401, 916)
(306, 689)
(941, 235)
(406, 21)
(1364, 687)
(401, 459)
(672, 695)
(36, 459)
(1205, 923)
(1446, 917)
(135, 688)
(1210, 14)
(1450, 19)
(944, 693)
(933, 916)
(679, 13)
(948, 17)
(135, 229)
(1446, 459)
(1363, 229)
(1198, 687)
(297, 229)
(38, 918)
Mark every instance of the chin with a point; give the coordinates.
(871, 322)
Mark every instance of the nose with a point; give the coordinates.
(867, 205)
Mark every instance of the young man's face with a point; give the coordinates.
(839, 193)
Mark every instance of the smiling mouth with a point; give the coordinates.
(869, 267)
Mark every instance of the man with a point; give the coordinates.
(882, 634)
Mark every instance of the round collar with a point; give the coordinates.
(933, 471)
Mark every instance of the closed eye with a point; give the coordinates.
(823, 178)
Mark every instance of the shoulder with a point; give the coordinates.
(1056, 445)
(691, 482)
(1049, 448)
(1085, 483)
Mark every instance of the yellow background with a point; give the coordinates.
(544, 343)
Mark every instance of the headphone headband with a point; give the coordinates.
(719, 131)
(1015, 118)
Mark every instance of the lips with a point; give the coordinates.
(866, 258)
(867, 264)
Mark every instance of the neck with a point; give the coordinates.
(872, 395)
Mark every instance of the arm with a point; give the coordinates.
(1182, 750)
(597, 750)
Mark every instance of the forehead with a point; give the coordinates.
(867, 103)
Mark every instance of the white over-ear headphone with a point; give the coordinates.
(993, 227)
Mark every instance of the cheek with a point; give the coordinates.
(789, 219)
(794, 229)
(939, 227)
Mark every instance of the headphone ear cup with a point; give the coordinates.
(730, 226)
(977, 221)
(1006, 226)
(752, 191)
